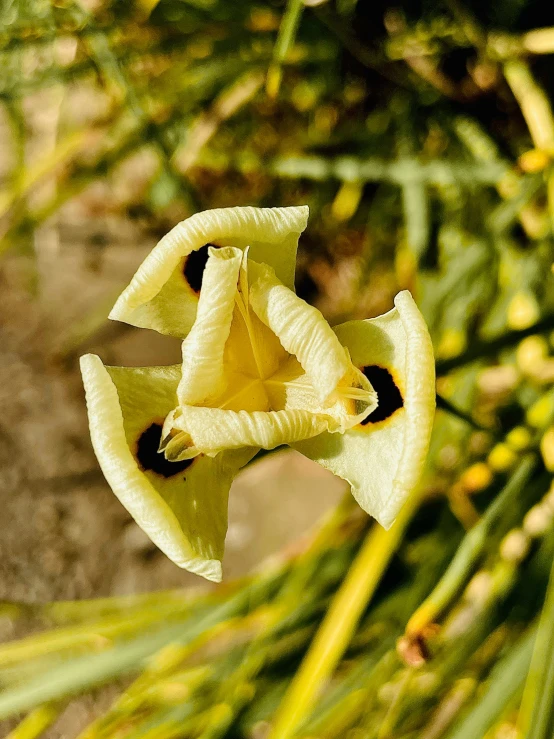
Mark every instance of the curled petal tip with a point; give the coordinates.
(182, 506)
(383, 458)
(162, 295)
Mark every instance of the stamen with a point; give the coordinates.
(349, 393)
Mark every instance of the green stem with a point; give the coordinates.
(506, 681)
(470, 550)
(35, 723)
(483, 349)
(536, 716)
(82, 673)
(339, 624)
(448, 407)
(285, 39)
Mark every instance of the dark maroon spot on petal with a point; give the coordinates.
(193, 268)
(150, 459)
(389, 396)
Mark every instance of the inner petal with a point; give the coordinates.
(203, 370)
(301, 329)
(252, 347)
(244, 393)
(212, 430)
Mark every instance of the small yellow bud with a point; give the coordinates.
(514, 546)
(325, 118)
(498, 380)
(452, 343)
(448, 457)
(531, 353)
(509, 186)
(354, 92)
(502, 458)
(537, 521)
(523, 310)
(304, 96)
(547, 449)
(548, 504)
(479, 587)
(541, 411)
(347, 200)
(477, 477)
(519, 438)
(534, 160)
(548, 499)
(479, 443)
(405, 265)
(263, 19)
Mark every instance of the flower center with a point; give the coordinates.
(260, 365)
(240, 386)
(267, 378)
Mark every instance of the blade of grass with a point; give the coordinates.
(470, 550)
(339, 624)
(505, 214)
(96, 634)
(536, 717)
(533, 102)
(83, 673)
(539, 41)
(285, 40)
(35, 723)
(228, 102)
(537, 111)
(415, 198)
(505, 683)
(402, 171)
(66, 150)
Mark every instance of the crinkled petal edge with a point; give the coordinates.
(419, 404)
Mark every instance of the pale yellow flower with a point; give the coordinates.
(261, 368)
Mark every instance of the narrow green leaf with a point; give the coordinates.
(77, 675)
(505, 683)
(537, 709)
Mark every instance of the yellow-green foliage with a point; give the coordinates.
(422, 140)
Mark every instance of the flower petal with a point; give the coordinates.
(215, 429)
(163, 293)
(252, 349)
(383, 459)
(182, 506)
(301, 329)
(203, 375)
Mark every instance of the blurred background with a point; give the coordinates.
(421, 135)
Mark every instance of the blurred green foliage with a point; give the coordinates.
(422, 137)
